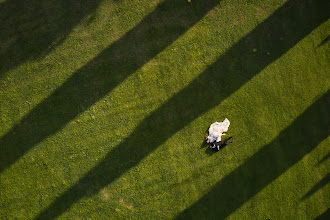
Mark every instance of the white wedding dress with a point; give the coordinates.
(217, 129)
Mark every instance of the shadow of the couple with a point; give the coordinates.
(209, 151)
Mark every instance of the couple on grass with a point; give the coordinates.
(216, 130)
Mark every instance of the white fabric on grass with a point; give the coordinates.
(217, 129)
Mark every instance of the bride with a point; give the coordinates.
(216, 130)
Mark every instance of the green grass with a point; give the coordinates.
(104, 105)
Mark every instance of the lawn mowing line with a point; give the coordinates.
(194, 100)
(100, 76)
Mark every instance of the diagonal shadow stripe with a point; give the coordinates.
(325, 41)
(101, 75)
(292, 22)
(324, 159)
(300, 138)
(324, 216)
(318, 186)
(29, 28)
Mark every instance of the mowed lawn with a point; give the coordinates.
(104, 105)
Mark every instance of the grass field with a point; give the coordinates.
(104, 105)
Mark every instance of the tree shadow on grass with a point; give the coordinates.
(324, 216)
(318, 186)
(325, 41)
(292, 22)
(291, 145)
(324, 159)
(31, 29)
(100, 76)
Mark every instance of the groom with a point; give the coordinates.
(220, 144)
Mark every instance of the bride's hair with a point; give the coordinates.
(206, 137)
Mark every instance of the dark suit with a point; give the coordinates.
(221, 144)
